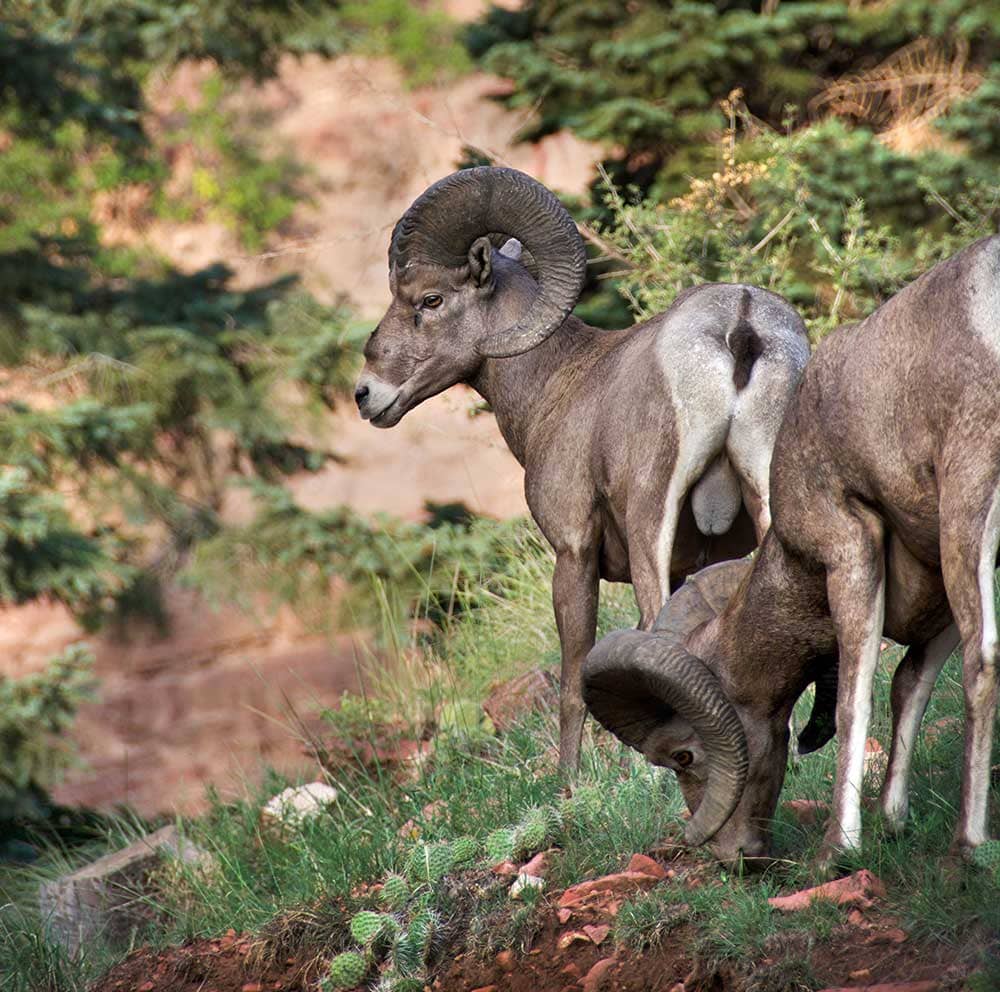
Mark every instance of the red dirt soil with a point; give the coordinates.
(864, 951)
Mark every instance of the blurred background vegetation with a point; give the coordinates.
(827, 149)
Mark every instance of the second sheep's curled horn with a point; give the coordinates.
(444, 221)
(635, 681)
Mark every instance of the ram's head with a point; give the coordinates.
(461, 291)
(653, 693)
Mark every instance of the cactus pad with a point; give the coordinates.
(367, 927)
(395, 891)
(500, 845)
(429, 862)
(346, 971)
(465, 850)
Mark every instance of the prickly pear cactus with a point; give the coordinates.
(429, 862)
(987, 857)
(395, 892)
(408, 952)
(393, 982)
(367, 927)
(465, 850)
(347, 970)
(539, 827)
(500, 846)
(582, 807)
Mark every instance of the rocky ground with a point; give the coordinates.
(574, 949)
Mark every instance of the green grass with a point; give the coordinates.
(295, 889)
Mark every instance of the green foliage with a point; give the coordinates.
(420, 37)
(229, 177)
(890, 101)
(292, 554)
(35, 711)
(648, 76)
(780, 212)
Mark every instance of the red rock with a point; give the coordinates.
(572, 970)
(807, 812)
(505, 868)
(857, 976)
(506, 960)
(875, 757)
(508, 702)
(856, 918)
(564, 915)
(409, 830)
(595, 978)
(946, 727)
(252, 987)
(572, 937)
(486, 988)
(537, 866)
(597, 932)
(859, 889)
(622, 884)
(146, 987)
(647, 866)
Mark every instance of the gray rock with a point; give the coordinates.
(105, 898)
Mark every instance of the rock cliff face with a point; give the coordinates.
(210, 702)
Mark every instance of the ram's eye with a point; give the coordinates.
(683, 758)
(432, 301)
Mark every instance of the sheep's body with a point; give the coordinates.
(639, 449)
(886, 502)
(645, 450)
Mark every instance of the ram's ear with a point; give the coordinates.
(512, 249)
(481, 263)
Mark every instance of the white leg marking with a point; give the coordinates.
(981, 690)
(850, 789)
(987, 567)
(895, 797)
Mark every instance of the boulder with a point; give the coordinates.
(104, 899)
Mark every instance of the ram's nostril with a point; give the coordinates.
(360, 394)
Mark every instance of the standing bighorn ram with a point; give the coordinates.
(639, 446)
(885, 494)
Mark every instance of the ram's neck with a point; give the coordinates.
(523, 388)
(776, 628)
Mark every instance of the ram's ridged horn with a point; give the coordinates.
(702, 597)
(634, 681)
(444, 221)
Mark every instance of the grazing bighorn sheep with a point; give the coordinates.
(885, 495)
(639, 446)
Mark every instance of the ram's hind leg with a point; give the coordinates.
(970, 533)
(856, 591)
(912, 683)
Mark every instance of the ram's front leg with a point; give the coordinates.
(574, 594)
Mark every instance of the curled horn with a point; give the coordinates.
(444, 221)
(634, 681)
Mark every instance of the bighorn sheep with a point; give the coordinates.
(639, 446)
(885, 494)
